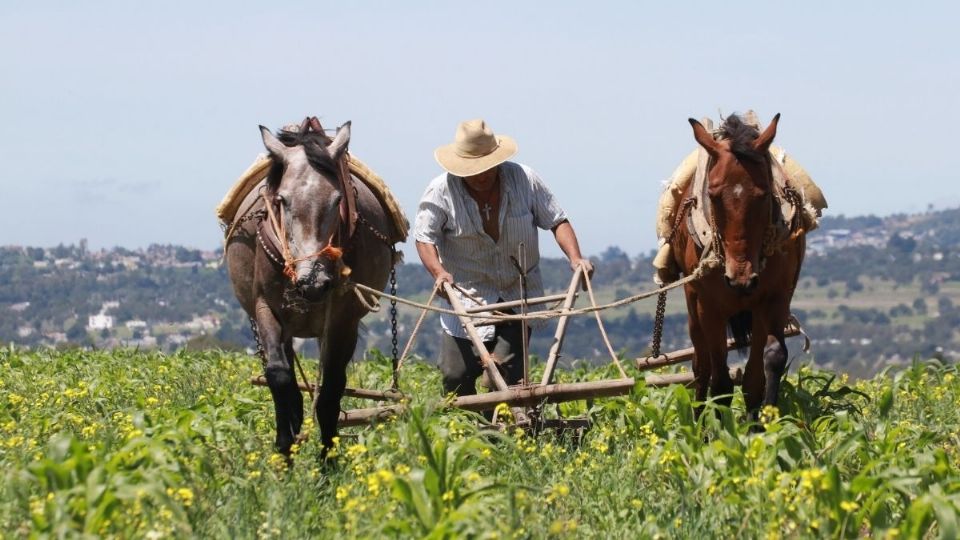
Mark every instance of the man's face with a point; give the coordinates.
(483, 181)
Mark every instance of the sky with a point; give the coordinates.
(125, 122)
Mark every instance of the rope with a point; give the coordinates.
(416, 327)
(603, 331)
(706, 264)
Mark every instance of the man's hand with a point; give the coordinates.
(443, 277)
(587, 266)
(587, 269)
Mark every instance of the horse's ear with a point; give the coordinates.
(763, 141)
(703, 137)
(340, 142)
(272, 144)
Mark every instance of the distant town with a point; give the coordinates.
(871, 288)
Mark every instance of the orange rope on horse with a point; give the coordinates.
(289, 261)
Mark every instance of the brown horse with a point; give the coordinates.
(292, 249)
(759, 270)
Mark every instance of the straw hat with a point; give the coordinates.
(474, 149)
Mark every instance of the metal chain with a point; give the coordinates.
(658, 325)
(380, 236)
(393, 324)
(662, 297)
(256, 336)
(228, 228)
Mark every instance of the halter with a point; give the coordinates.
(770, 236)
(289, 261)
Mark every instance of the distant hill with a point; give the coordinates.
(874, 290)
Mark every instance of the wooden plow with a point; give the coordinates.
(527, 399)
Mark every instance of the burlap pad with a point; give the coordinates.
(227, 209)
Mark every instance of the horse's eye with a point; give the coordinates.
(279, 199)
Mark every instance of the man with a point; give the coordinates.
(472, 221)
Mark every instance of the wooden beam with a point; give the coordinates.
(363, 393)
(551, 393)
(686, 378)
(667, 359)
(513, 397)
(359, 417)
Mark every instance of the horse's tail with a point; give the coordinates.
(740, 326)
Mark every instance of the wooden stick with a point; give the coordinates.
(363, 393)
(686, 378)
(676, 357)
(493, 372)
(561, 327)
(488, 364)
(514, 397)
(359, 417)
(551, 393)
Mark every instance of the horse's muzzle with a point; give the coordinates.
(743, 286)
(313, 284)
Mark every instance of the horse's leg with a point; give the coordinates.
(753, 380)
(701, 355)
(721, 386)
(279, 375)
(775, 353)
(296, 398)
(340, 350)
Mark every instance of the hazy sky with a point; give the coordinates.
(125, 122)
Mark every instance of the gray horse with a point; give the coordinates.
(292, 251)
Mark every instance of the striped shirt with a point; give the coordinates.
(450, 219)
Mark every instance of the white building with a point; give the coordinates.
(100, 322)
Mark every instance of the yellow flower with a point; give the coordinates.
(356, 450)
(15, 399)
(849, 506)
(769, 414)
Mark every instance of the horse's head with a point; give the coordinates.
(304, 189)
(739, 187)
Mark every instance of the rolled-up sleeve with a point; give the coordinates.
(431, 216)
(547, 212)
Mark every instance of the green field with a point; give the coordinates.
(144, 445)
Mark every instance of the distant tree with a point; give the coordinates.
(901, 243)
(920, 306)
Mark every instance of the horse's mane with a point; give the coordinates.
(314, 144)
(741, 136)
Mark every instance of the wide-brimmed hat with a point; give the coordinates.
(474, 149)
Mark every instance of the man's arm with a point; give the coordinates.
(567, 240)
(431, 261)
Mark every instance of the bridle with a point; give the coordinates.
(769, 235)
(330, 251)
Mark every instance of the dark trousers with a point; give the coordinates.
(460, 363)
